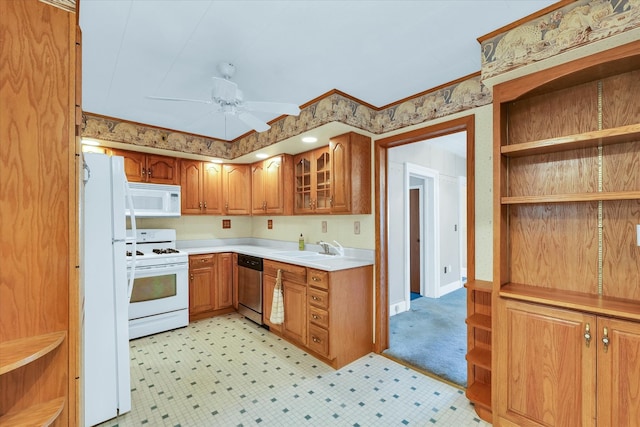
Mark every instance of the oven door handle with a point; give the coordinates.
(161, 269)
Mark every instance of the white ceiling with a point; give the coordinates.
(285, 51)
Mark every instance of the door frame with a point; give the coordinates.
(429, 220)
(381, 284)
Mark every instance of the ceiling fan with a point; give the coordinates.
(230, 100)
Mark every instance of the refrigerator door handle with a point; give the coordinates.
(134, 232)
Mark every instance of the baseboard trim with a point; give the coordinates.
(397, 308)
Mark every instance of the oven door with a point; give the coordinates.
(159, 289)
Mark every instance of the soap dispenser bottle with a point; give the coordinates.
(301, 242)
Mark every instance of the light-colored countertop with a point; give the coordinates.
(308, 258)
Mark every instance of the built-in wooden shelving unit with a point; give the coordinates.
(17, 353)
(566, 257)
(479, 346)
(43, 414)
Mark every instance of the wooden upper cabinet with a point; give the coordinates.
(351, 172)
(236, 189)
(272, 185)
(152, 168)
(162, 169)
(212, 188)
(201, 187)
(336, 178)
(134, 164)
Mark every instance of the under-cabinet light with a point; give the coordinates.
(309, 139)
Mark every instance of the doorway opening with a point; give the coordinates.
(386, 214)
(425, 236)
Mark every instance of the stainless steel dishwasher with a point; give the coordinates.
(250, 287)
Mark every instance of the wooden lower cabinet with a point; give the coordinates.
(554, 369)
(329, 314)
(294, 287)
(210, 285)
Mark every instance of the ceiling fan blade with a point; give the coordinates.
(253, 122)
(165, 98)
(273, 107)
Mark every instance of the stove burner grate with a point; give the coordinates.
(165, 251)
(138, 253)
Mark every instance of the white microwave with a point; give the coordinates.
(154, 200)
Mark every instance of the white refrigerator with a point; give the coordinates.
(106, 375)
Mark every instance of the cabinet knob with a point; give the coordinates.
(315, 278)
(149, 172)
(226, 206)
(331, 201)
(316, 340)
(587, 334)
(205, 205)
(315, 298)
(605, 339)
(191, 277)
(315, 316)
(200, 204)
(144, 171)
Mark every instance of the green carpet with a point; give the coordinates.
(432, 336)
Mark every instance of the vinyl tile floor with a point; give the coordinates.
(227, 371)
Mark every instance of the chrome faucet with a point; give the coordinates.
(326, 247)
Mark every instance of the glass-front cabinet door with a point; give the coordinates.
(303, 201)
(323, 180)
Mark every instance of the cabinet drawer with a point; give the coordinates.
(319, 316)
(290, 272)
(317, 278)
(318, 298)
(204, 260)
(318, 340)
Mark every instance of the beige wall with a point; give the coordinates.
(287, 228)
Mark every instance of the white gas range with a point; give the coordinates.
(160, 294)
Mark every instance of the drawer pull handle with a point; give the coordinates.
(315, 278)
(316, 340)
(315, 298)
(315, 316)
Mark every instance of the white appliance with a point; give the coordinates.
(160, 294)
(106, 376)
(155, 200)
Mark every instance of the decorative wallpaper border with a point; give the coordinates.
(571, 26)
(334, 106)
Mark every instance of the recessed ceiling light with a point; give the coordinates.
(262, 155)
(309, 139)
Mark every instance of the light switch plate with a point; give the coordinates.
(324, 226)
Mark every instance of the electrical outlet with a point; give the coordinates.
(269, 224)
(356, 227)
(324, 226)
(226, 223)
